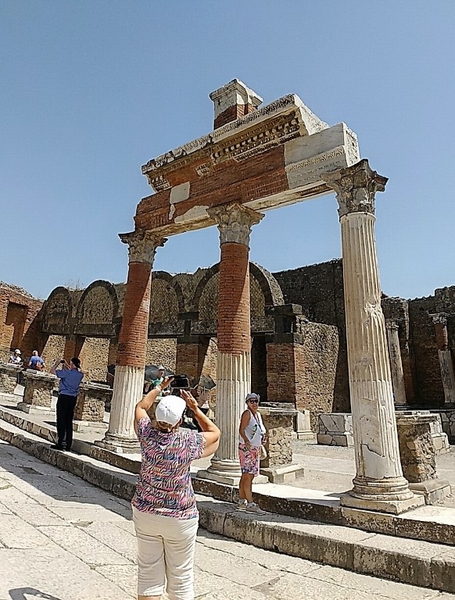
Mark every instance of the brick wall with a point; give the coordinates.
(19, 321)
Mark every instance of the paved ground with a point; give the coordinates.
(64, 539)
(332, 468)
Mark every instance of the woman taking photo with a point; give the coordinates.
(164, 507)
(252, 435)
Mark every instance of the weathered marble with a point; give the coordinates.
(335, 429)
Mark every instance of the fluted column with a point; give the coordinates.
(396, 365)
(445, 356)
(234, 334)
(131, 353)
(379, 483)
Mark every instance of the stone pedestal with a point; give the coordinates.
(278, 420)
(335, 429)
(302, 426)
(38, 391)
(418, 457)
(90, 407)
(8, 377)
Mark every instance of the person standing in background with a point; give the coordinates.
(252, 434)
(70, 376)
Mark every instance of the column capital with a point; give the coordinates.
(356, 187)
(235, 222)
(439, 318)
(142, 245)
(392, 325)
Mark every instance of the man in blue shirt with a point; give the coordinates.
(70, 376)
(36, 362)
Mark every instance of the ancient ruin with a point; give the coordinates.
(320, 339)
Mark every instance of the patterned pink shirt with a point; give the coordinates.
(164, 485)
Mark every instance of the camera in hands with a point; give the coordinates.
(180, 382)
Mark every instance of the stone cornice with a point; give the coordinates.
(273, 124)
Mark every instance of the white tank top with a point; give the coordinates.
(255, 429)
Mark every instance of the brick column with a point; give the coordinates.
(131, 353)
(234, 335)
(379, 483)
(445, 356)
(396, 365)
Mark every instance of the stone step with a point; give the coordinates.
(417, 562)
(427, 523)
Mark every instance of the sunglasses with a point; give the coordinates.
(253, 401)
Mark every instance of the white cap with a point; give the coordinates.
(170, 410)
(161, 368)
(252, 396)
(17, 351)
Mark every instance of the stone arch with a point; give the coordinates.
(273, 295)
(166, 303)
(264, 291)
(97, 310)
(57, 310)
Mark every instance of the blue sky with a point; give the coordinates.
(93, 89)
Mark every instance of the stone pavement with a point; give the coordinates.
(62, 538)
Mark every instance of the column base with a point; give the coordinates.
(227, 472)
(222, 471)
(434, 490)
(389, 495)
(119, 445)
(394, 507)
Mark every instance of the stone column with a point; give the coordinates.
(234, 335)
(445, 356)
(396, 365)
(131, 353)
(379, 483)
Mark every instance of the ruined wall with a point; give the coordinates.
(426, 363)
(183, 327)
(319, 290)
(20, 325)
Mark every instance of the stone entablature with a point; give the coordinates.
(228, 167)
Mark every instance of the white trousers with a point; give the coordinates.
(165, 551)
